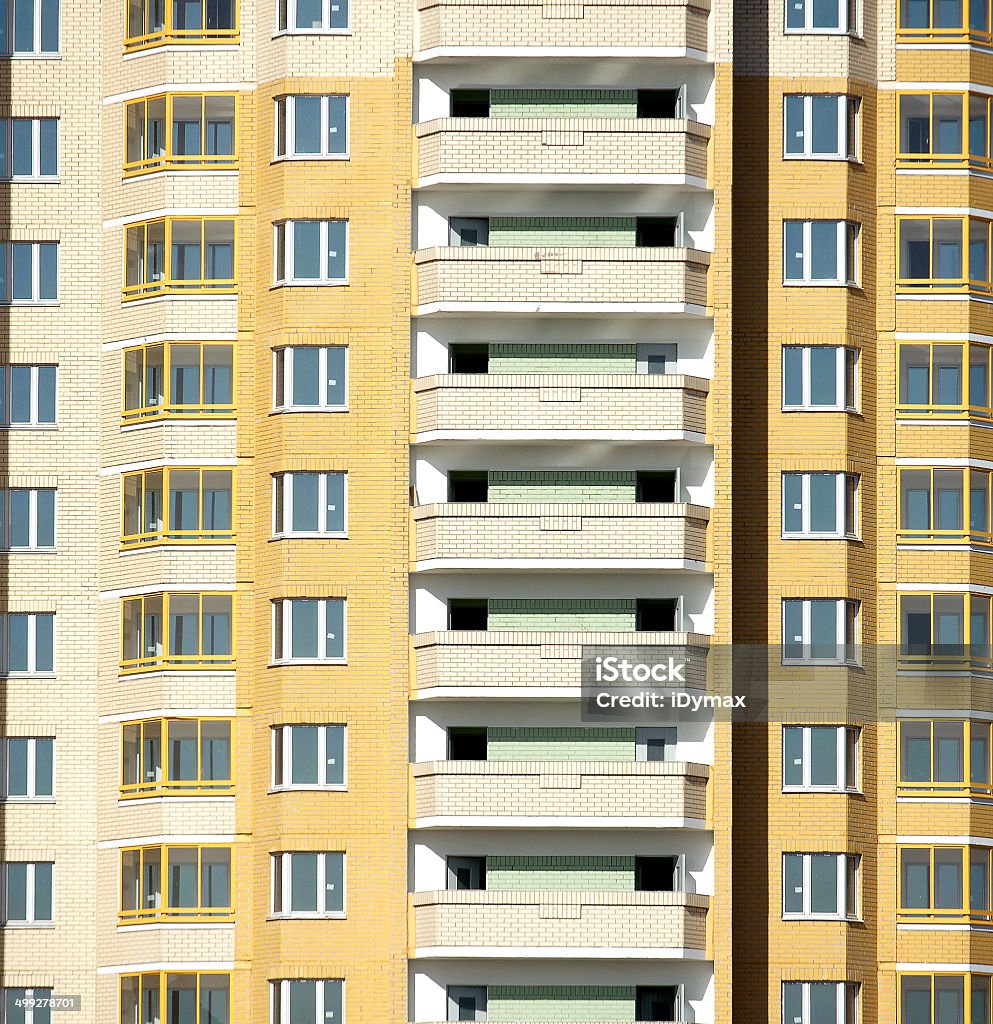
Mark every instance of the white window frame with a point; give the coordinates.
(29, 997)
(286, 733)
(841, 610)
(847, 21)
(287, 227)
(285, 110)
(841, 506)
(36, 53)
(284, 606)
(35, 174)
(842, 861)
(6, 532)
(279, 480)
(282, 877)
(846, 785)
(8, 284)
(32, 795)
(841, 376)
(841, 279)
(279, 1000)
(32, 669)
(325, 30)
(848, 148)
(286, 354)
(842, 988)
(29, 897)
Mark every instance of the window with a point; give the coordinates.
(944, 883)
(944, 129)
(313, 15)
(27, 1006)
(182, 756)
(179, 132)
(309, 504)
(820, 757)
(945, 757)
(945, 505)
(178, 379)
(311, 126)
(820, 630)
(310, 378)
(820, 252)
(654, 743)
(27, 893)
(179, 254)
(29, 148)
(27, 396)
(176, 631)
(153, 23)
(312, 252)
(27, 519)
(465, 873)
(819, 1002)
(467, 742)
(468, 231)
(821, 126)
(820, 505)
(308, 884)
(28, 643)
(950, 379)
(175, 504)
(176, 997)
(308, 757)
(945, 628)
(655, 358)
(827, 16)
(923, 21)
(175, 883)
(468, 485)
(466, 1002)
(820, 885)
(947, 253)
(308, 629)
(29, 27)
(29, 272)
(28, 768)
(944, 998)
(469, 102)
(303, 1001)
(819, 378)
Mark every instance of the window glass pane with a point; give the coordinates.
(948, 879)
(824, 250)
(306, 376)
(304, 766)
(823, 503)
(182, 751)
(823, 1003)
(949, 1000)
(307, 124)
(12, 1013)
(823, 756)
(336, 250)
(826, 14)
(303, 628)
(824, 629)
(303, 882)
(46, 518)
(16, 767)
(337, 124)
(22, 148)
(16, 877)
(793, 502)
(17, 643)
(335, 504)
(43, 892)
(793, 250)
(979, 753)
(793, 629)
(332, 1002)
(335, 639)
(792, 376)
(306, 517)
(20, 518)
(49, 146)
(215, 750)
(336, 375)
(793, 124)
(48, 270)
(49, 31)
(823, 376)
(979, 880)
(303, 1002)
(44, 643)
(795, 14)
(948, 752)
(915, 753)
(217, 374)
(916, 879)
(24, 41)
(792, 1002)
(44, 771)
(334, 887)
(824, 884)
(339, 13)
(793, 883)
(335, 755)
(22, 271)
(306, 250)
(309, 14)
(824, 124)
(792, 756)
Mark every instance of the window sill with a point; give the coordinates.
(28, 675)
(283, 662)
(821, 790)
(290, 158)
(307, 408)
(31, 56)
(819, 663)
(335, 788)
(313, 283)
(838, 918)
(176, 46)
(821, 284)
(24, 925)
(41, 180)
(28, 551)
(843, 33)
(333, 916)
(312, 32)
(851, 410)
(835, 158)
(154, 421)
(155, 172)
(308, 536)
(21, 303)
(819, 536)
(47, 801)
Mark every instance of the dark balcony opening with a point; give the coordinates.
(655, 615)
(468, 485)
(660, 487)
(471, 102)
(469, 231)
(466, 872)
(658, 102)
(467, 613)
(467, 743)
(469, 359)
(655, 874)
(656, 1003)
(656, 232)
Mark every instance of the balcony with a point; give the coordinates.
(560, 278)
(568, 794)
(507, 923)
(469, 536)
(518, 662)
(480, 406)
(488, 149)
(450, 28)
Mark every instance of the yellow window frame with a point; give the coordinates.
(965, 282)
(165, 658)
(167, 408)
(165, 786)
(177, 915)
(966, 976)
(152, 36)
(935, 536)
(964, 158)
(170, 160)
(166, 534)
(167, 283)
(933, 34)
(931, 912)
(964, 409)
(952, 661)
(162, 978)
(932, 787)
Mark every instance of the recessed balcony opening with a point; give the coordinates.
(656, 486)
(642, 615)
(657, 874)
(561, 357)
(470, 102)
(468, 613)
(466, 872)
(467, 743)
(658, 103)
(468, 485)
(656, 232)
(564, 103)
(469, 359)
(657, 1003)
(594, 231)
(653, 615)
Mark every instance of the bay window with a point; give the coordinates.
(945, 628)
(820, 252)
(309, 504)
(820, 126)
(175, 883)
(179, 254)
(944, 883)
(304, 1001)
(820, 885)
(178, 379)
(312, 15)
(820, 1002)
(311, 126)
(175, 997)
(947, 253)
(179, 131)
(819, 378)
(309, 377)
(945, 505)
(946, 378)
(157, 22)
(308, 757)
(311, 252)
(27, 1006)
(176, 631)
(308, 884)
(945, 756)
(182, 756)
(820, 505)
(831, 17)
(944, 998)
(308, 629)
(820, 758)
(820, 630)
(174, 504)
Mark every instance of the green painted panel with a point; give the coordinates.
(567, 614)
(560, 874)
(564, 231)
(563, 103)
(506, 357)
(559, 1002)
(505, 743)
(561, 485)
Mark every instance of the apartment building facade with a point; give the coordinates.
(363, 365)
